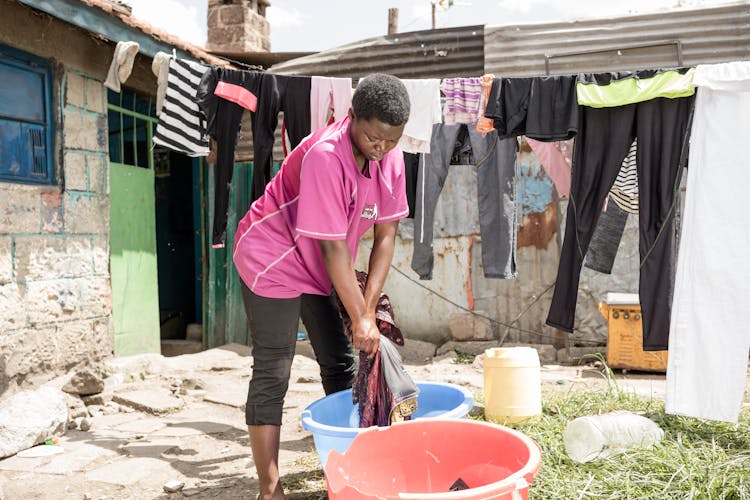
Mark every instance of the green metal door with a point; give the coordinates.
(135, 293)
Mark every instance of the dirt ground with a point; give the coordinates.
(198, 437)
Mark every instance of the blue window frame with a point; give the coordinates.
(26, 121)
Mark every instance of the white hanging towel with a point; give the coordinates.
(122, 65)
(709, 334)
(424, 96)
(327, 93)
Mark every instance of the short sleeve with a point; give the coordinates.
(395, 206)
(324, 198)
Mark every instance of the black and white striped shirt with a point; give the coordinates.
(624, 192)
(181, 124)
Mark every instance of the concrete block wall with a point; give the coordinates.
(55, 293)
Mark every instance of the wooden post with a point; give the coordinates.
(433, 14)
(392, 20)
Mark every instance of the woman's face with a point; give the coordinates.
(374, 138)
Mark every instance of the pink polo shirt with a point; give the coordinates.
(319, 194)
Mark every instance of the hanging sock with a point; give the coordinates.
(122, 65)
(160, 68)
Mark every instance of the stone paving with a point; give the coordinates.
(159, 427)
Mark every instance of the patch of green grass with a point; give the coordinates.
(464, 358)
(696, 459)
(308, 483)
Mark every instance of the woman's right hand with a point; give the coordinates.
(365, 334)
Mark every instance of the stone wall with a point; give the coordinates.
(238, 26)
(55, 295)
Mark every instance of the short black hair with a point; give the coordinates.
(382, 97)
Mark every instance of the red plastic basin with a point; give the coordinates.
(422, 459)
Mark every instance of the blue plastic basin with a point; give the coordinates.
(334, 419)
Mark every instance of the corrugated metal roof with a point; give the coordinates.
(417, 54)
(706, 35)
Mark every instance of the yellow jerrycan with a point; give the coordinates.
(512, 384)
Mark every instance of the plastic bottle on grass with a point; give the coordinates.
(601, 436)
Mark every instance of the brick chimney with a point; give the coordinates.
(238, 26)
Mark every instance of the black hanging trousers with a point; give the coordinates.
(661, 126)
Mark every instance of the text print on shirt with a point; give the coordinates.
(370, 211)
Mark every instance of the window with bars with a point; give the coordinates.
(26, 121)
(132, 121)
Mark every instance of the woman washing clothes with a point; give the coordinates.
(297, 245)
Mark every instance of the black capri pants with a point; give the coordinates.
(273, 326)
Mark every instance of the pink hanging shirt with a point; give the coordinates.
(319, 194)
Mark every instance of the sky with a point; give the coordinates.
(314, 25)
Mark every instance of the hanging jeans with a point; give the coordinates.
(496, 190)
(661, 127)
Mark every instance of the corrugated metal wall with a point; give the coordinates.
(417, 54)
(707, 35)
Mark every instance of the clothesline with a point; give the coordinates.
(631, 131)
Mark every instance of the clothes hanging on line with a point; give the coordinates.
(606, 239)
(624, 191)
(606, 90)
(555, 158)
(485, 125)
(661, 126)
(223, 119)
(270, 94)
(462, 99)
(425, 111)
(326, 95)
(411, 171)
(543, 108)
(709, 338)
(121, 65)
(181, 124)
(160, 69)
(496, 195)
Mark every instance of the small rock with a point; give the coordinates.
(108, 410)
(72, 424)
(193, 384)
(100, 399)
(30, 417)
(86, 496)
(173, 486)
(84, 424)
(305, 379)
(84, 383)
(192, 492)
(76, 407)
